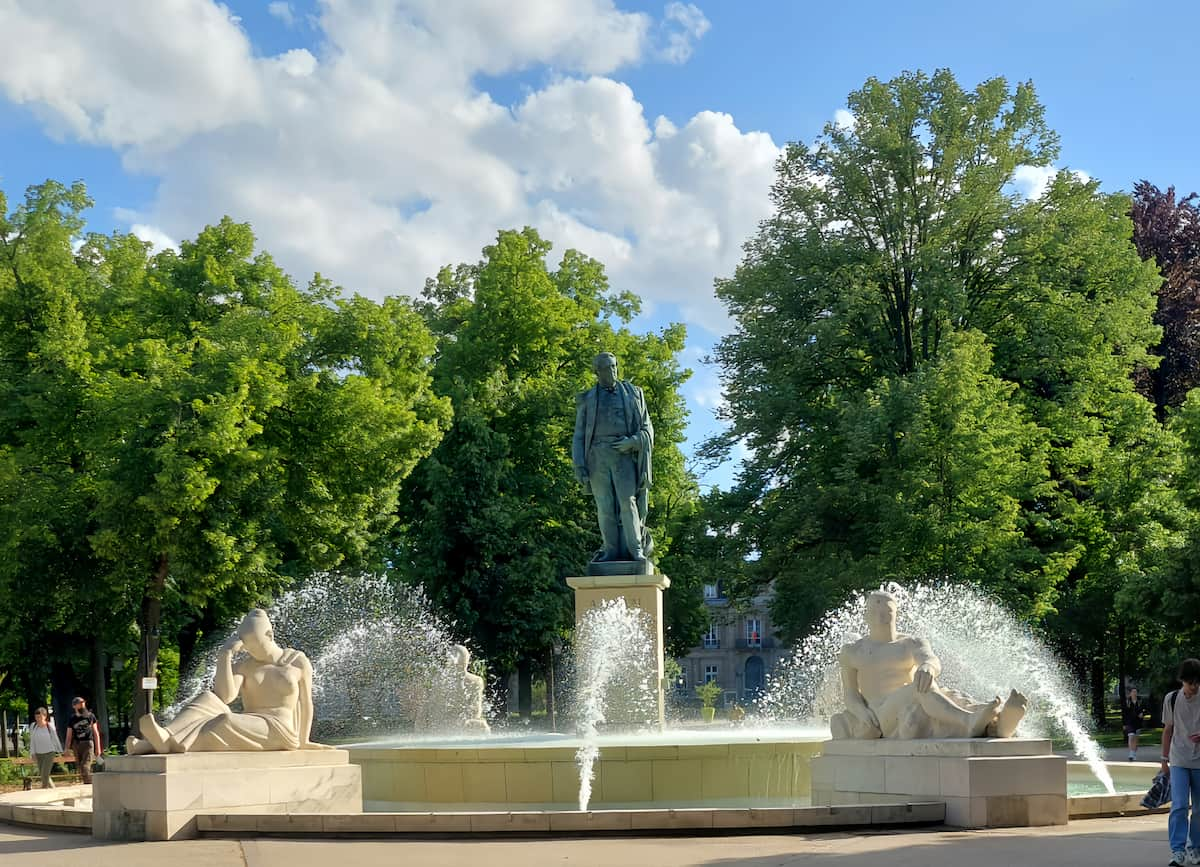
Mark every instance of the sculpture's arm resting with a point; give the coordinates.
(856, 705)
(227, 684)
(925, 659)
(306, 707)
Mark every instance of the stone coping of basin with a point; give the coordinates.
(417, 753)
(1104, 806)
(42, 808)
(538, 822)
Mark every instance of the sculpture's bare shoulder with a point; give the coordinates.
(849, 654)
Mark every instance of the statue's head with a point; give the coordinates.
(881, 608)
(460, 657)
(604, 366)
(257, 635)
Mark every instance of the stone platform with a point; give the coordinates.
(985, 783)
(159, 797)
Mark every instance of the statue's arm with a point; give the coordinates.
(647, 426)
(578, 446)
(306, 705)
(928, 666)
(226, 682)
(855, 703)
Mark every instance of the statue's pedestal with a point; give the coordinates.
(159, 797)
(644, 591)
(985, 783)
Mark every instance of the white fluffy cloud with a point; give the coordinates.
(375, 158)
(1032, 181)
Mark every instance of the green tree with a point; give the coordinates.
(230, 431)
(493, 520)
(934, 374)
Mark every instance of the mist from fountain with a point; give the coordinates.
(377, 649)
(984, 651)
(615, 680)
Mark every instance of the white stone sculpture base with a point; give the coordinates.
(985, 783)
(158, 797)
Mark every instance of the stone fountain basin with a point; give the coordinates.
(1087, 798)
(674, 768)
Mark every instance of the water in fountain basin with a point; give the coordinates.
(615, 680)
(375, 648)
(984, 651)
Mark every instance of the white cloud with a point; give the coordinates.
(375, 158)
(844, 119)
(155, 237)
(282, 10)
(683, 25)
(150, 76)
(1032, 181)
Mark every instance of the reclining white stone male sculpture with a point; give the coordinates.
(889, 682)
(275, 685)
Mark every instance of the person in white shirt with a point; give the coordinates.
(44, 745)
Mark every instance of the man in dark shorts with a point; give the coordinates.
(1132, 714)
(83, 736)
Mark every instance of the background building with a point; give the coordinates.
(738, 651)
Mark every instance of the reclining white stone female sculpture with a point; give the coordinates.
(889, 682)
(275, 685)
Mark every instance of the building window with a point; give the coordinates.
(712, 638)
(753, 632)
(710, 673)
(710, 591)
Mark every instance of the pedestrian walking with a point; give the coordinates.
(83, 737)
(44, 745)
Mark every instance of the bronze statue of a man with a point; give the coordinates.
(611, 450)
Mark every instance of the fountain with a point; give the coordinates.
(964, 624)
(377, 649)
(615, 679)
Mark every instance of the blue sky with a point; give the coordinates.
(376, 139)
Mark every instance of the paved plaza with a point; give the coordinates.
(1127, 842)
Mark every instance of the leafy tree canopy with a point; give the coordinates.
(934, 374)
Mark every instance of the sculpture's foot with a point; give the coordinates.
(1010, 716)
(159, 738)
(138, 746)
(982, 717)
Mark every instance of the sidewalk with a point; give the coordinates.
(1129, 842)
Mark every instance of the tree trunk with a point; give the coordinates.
(1122, 666)
(525, 688)
(63, 688)
(99, 691)
(500, 708)
(1098, 704)
(149, 621)
(3, 734)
